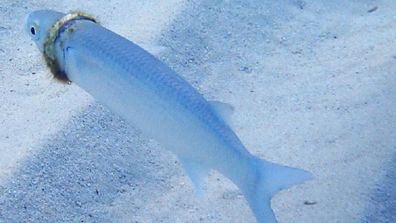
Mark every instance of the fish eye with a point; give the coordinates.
(33, 30)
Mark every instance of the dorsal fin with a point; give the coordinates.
(223, 109)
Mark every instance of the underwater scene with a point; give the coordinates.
(183, 111)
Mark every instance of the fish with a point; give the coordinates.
(152, 97)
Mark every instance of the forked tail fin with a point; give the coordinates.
(266, 179)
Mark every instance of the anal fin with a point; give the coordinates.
(197, 173)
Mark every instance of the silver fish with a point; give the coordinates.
(154, 98)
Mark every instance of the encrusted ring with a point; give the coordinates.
(53, 34)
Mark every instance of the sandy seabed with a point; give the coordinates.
(313, 84)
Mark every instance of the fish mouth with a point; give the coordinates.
(25, 23)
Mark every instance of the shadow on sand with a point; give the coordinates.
(86, 165)
(382, 207)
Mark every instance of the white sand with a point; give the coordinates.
(313, 84)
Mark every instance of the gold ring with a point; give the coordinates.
(48, 50)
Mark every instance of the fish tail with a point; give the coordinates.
(264, 181)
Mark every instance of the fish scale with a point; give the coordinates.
(151, 96)
(136, 62)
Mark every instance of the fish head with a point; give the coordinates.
(38, 25)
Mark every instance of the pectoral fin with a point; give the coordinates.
(156, 50)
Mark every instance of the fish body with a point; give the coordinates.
(152, 97)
